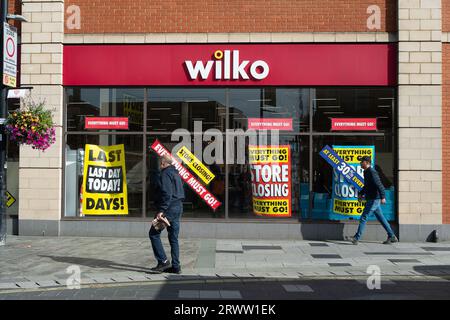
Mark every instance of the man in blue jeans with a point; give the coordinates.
(374, 193)
(170, 196)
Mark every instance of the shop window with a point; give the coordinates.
(270, 103)
(256, 188)
(355, 103)
(335, 199)
(193, 205)
(175, 108)
(104, 102)
(74, 171)
(199, 110)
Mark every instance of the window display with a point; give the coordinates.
(256, 150)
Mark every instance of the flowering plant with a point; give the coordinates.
(32, 125)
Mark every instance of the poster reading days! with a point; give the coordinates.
(345, 195)
(270, 168)
(104, 181)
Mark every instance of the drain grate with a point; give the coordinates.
(326, 256)
(229, 251)
(339, 264)
(399, 253)
(404, 260)
(436, 248)
(319, 245)
(261, 247)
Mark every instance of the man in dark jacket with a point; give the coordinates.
(170, 205)
(373, 192)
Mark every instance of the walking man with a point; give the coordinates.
(373, 192)
(169, 205)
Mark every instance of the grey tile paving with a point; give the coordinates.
(319, 244)
(138, 277)
(230, 251)
(49, 283)
(8, 285)
(43, 259)
(121, 279)
(209, 294)
(230, 294)
(339, 264)
(102, 279)
(326, 256)
(436, 248)
(157, 277)
(297, 288)
(189, 294)
(404, 260)
(27, 285)
(399, 253)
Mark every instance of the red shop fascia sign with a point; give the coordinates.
(231, 65)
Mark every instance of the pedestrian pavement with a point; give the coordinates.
(29, 263)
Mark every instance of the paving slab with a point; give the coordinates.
(230, 294)
(31, 259)
(27, 285)
(8, 285)
(49, 283)
(189, 294)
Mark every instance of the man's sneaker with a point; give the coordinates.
(162, 266)
(354, 240)
(390, 240)
(174, 270)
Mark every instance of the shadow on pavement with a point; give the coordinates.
(98, 263)
(442, 271)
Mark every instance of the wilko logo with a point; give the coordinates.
(228, 66)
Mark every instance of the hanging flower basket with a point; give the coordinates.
(31, 125)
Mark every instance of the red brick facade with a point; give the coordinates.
(180, 16)
(15, 6)
(445, 15)
(445, 132)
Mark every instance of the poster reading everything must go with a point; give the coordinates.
(104, 180)
(270, 168)
(345, 196)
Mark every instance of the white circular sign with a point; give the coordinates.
(10, 47)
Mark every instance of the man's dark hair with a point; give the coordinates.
(366, 158)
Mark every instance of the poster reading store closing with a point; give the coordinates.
(345, 195)
(104, 181)
(271, 180)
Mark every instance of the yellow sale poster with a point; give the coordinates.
(345, 196)
(270, 168)
(104, 180)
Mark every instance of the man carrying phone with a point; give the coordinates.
(374, 194)
(170, 196)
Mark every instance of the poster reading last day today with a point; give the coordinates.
(271, 180)
(104, 181)
(345, 195)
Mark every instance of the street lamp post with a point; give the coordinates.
(3, 111)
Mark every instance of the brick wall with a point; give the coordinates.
(446, 131)
(180, 16)
(14, 6)
(446, 15)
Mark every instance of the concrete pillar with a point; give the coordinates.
(420, 117)
(40, 173)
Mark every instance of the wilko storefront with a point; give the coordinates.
(247, 122)
(245, 97)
